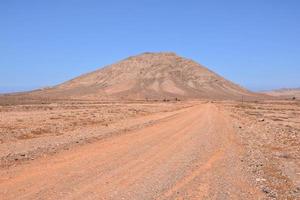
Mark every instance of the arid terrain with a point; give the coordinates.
(288, 93)
(150, 150)
(152, 126)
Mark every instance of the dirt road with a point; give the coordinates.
(192, 155)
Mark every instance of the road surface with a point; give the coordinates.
(192, 155)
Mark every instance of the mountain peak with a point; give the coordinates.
(154, 56)
(155, 75)
(163, 53)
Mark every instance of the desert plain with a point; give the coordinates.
(150, 150)
(152, 126)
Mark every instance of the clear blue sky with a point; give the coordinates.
(255, 43)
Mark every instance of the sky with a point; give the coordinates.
(255, 43)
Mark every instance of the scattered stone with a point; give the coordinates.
(260, 180)
(266, 190)
(269, 192)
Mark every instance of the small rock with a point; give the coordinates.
(260, 179)
(266, 190)
(269, 192)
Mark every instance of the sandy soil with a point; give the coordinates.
(28, 131)
(270, 132)
(183, 150)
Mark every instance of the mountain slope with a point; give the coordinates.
(149, 76)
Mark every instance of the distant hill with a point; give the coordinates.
(149, 76)
(285, 93)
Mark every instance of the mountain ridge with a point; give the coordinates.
(284, 92)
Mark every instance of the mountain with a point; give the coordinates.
(149, 76)
(285, 93)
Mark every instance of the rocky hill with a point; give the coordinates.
(149, 76)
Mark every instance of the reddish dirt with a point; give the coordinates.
(192, 155)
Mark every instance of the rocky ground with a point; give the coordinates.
(23, 122)
(270, 132)
(176, 150)
(31, 130)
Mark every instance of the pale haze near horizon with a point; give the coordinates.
(253, 43)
